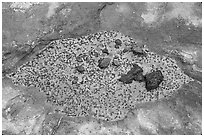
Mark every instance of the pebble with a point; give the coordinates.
(126, 78)
(104, 63)
(134, 74)
(135, 70)
(80, 69)
(153, 80)
(118, 43)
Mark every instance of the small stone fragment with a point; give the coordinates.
(138, 50)
(104, 63)
(136, 69)
(118, 42)
(134, 74)
(105, 50)
(80, 69)
(153, 79)
(126, 79)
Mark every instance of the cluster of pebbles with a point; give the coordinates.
(103, 75)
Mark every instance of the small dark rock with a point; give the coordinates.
(135, 70)
(153, 79)
(134, 74)
(80, 69)
(118, 42)
(126, 79)
(104, 63)
(105, 50)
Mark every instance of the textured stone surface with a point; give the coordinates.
(104, 63)
(153, 79)
(169, 29)
(134, 74)
(76, 94)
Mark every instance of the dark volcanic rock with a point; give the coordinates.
(134, 74)
(153, 79)
(126, 79)
(118, 43)
(139, 77)
(136, 69)
(104, 63)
